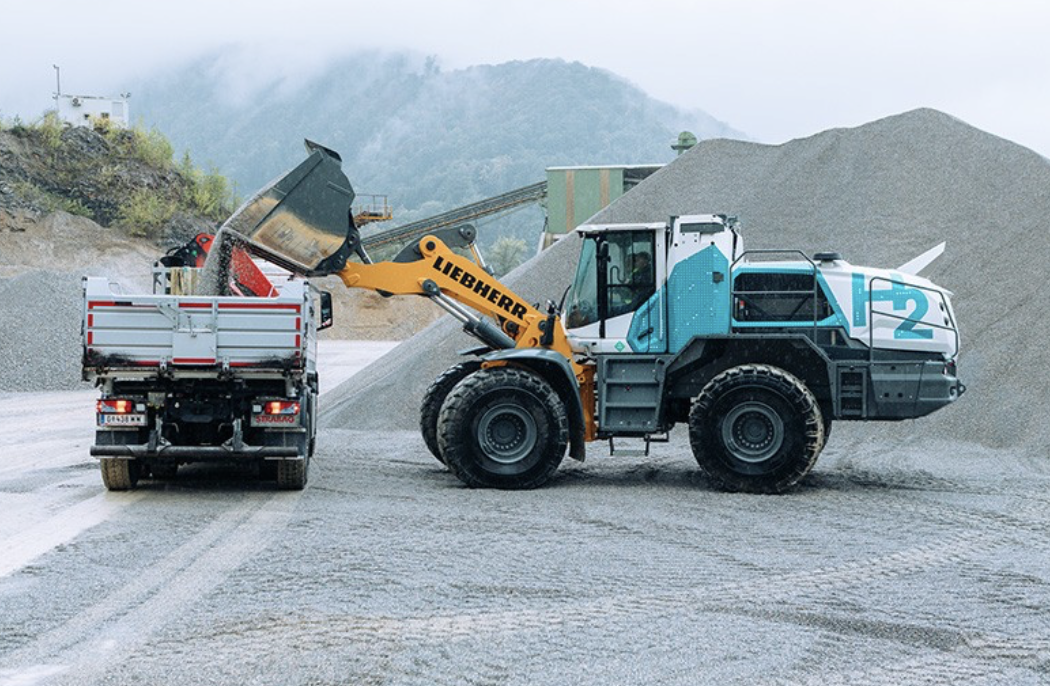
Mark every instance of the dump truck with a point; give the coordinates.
(666, 323)
(192, 378)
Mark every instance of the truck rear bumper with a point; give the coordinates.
(195, 452)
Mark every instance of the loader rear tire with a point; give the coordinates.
(503, 428)
(825, 413)
(119, 474)
(756, 428)
(434, 398)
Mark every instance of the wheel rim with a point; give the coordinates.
(753, 432)
(507, 433)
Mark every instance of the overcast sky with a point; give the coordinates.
(775, 70)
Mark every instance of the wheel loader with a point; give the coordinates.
(757, 352)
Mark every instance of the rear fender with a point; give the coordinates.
(555, 369)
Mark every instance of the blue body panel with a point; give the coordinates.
(695, 302)
(648, 332)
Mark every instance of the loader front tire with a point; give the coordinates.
(825, 413)
(434, 398)
(503, 428)
(756, 428)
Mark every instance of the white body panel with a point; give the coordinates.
(891, 310)
(143, 332)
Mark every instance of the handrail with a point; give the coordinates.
(952, 327)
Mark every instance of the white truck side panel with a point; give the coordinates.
(148, 330)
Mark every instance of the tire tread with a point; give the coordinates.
(434, 398)
(770, 378)
(459, 407)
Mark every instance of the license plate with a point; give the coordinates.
(122, 420)
(275, 420)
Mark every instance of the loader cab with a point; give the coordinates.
(649, 288)
(620, 269)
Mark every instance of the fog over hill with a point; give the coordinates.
(430, 139)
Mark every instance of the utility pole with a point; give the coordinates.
(58, 83)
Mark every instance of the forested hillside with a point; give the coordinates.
(427, 138)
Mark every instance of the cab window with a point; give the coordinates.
(616, 275)
(630, 274)
(582, 308)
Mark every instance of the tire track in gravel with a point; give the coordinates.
(56, 438)
(956, 548)
(31, 542)
(85, 646)
(981, 657)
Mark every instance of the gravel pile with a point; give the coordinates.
(40, 325)
(880, 194)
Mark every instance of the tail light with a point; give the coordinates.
(119, 406)
(281, 407)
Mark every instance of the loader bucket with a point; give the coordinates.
(301, 221)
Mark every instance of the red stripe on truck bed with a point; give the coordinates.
(193, 360)
(259, 306)
(109, 303)
(222, 306)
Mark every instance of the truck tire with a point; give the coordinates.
(434, 398)
(119, 474)
(503, 428)
(292, 473)
(756, 428)
(268, 470)
(310, 421)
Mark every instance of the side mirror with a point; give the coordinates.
(325, 319)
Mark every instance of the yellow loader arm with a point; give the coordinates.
(443, 275)
(451, 280)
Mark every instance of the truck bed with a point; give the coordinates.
(141, 334)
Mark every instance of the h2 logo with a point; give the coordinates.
(899, 295)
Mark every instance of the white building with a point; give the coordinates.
(78, 110)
